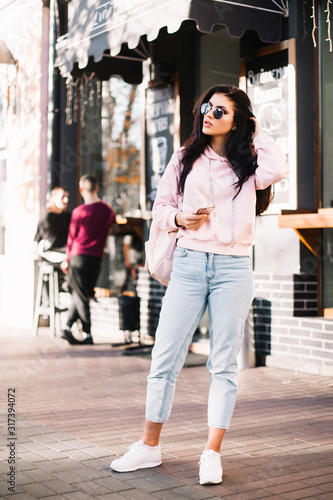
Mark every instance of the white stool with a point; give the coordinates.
(48, 273)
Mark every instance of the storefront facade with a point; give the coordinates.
(129, 75)
(24, 46)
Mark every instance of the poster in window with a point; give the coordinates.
(160, 135)
(270, 83)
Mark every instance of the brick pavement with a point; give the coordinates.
(78, 407)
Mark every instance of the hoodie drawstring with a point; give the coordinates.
(232, 203)
(233, 210)
(212, 189)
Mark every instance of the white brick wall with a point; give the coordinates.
(284, 337)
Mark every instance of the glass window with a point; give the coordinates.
(125, 145)
(111, 141)
(219, 59)
(110, 144)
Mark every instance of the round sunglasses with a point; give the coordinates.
(206, 107)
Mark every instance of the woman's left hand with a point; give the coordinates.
(257, 128)
(190, 221)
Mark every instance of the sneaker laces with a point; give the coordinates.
(133, 449)
(210, 459)
(135, 446)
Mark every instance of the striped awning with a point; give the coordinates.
(97, 26)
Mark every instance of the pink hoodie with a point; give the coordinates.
(230, 229)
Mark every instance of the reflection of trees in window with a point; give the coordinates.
(110, 119)
(122, 110)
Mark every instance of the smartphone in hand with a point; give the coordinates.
(205, 210)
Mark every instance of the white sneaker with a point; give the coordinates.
(138, 456)
(210, 468)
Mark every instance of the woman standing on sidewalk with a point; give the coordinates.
(216, 168)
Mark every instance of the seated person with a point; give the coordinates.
(133, 252)
(52, 229)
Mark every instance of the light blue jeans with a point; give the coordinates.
(224, 282)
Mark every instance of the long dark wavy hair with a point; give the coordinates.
(238, 149)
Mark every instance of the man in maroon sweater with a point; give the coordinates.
(89, 227)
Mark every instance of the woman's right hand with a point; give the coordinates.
(190, 221)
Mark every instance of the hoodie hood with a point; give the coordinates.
(210, 153)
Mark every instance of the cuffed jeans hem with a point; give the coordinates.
(156, 420)
(218, 426)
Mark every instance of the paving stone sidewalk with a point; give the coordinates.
(76, 408)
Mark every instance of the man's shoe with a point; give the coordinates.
(210, 468)
(138, 457)
(87, 341)
(67, 335)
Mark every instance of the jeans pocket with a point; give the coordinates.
(181, 252)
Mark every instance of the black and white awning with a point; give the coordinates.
(99, 25)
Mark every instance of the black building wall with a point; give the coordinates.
(300, 27)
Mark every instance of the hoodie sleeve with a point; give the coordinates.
(272, 166)
(166, 204)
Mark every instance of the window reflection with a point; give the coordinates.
(123, 117)
(111, 141)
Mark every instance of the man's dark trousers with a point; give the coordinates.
(83, 274)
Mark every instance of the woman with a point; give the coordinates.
(218, 169)
(52, 229)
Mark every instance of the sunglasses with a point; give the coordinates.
(206, 107)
